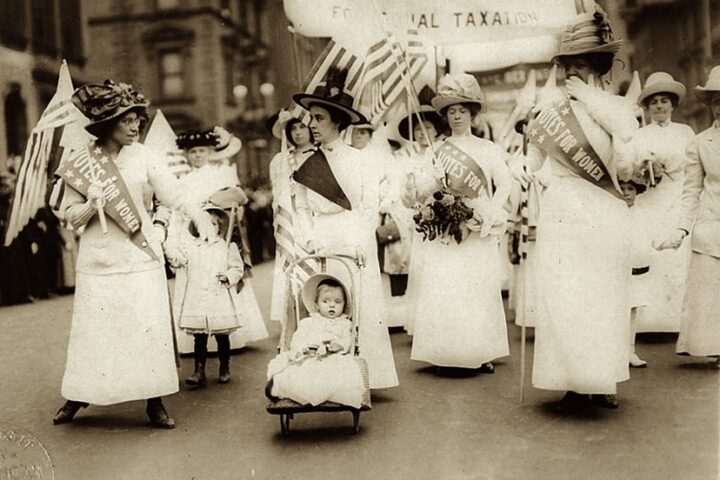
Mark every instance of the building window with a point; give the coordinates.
(16, 130)
(167, 4)
(44, 39)
(72, 40)
(172, 82)
(13, 24)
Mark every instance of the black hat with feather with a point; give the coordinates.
(332, 94)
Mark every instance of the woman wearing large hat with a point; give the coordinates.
(121, 344)
(699, 328)
(297, 143)
(337, 209)
(582, 249)
(664, 141)
(459, 316)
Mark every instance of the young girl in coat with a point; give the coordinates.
(210, 298)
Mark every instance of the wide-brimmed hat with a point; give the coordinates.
(705, 94)
(101, 103)
(229, 197)
(332, 94)
(588, 33)
(309, 292)
(661, 82)
(427, 114)
(458, 88)
(196, 138)
(280, 121)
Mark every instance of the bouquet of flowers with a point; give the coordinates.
(445, 216)
(649, 171)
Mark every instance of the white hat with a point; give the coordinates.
(309, 292)
(705, 94)
(661, 82)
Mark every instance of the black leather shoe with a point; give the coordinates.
(605, 401)
(487, 368)
(68, 411)
(158, 415)
(570, 402)
(224, 376)
(197, 379)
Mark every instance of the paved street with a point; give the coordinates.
(431, 427)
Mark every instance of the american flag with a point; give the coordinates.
(43, 149)
(333, 55)
(389, 68)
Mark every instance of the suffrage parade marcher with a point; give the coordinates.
(427, 127)
(337, 203)
(460, 320)
(121, 340)
(210, 302)
(205, 179)
(699, 329)
(299, 140)
(642, 259)
(582, 324)
(663, 141)
(319, 366)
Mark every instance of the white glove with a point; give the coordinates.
(95, 193)
(206, 230)
(673, 240)
(175, 256)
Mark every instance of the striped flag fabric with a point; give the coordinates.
(333, 55)
(43, 150)
(388, 69)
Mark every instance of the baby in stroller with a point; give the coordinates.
(319, 366)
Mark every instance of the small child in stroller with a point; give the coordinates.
(319, 366)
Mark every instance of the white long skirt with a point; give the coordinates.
(525, 289)
(460, 318)
(583, 312)
(700, 327)
(121, 344)
(279, 291)
(415, 274)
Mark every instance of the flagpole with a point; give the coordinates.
(296, 59)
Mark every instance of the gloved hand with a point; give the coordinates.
(95, 193)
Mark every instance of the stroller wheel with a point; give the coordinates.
(356, 421)
(285, 423)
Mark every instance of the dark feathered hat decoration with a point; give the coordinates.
(196, 138)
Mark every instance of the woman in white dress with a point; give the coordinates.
(664, 141)
(121, 342)
(460, 320)
(419, 164)
(583, 315)
(699, 328)
(300, 142)
(337, 207)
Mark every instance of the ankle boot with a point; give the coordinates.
(197, 379)
(223, 343)
(158, 415)
(68, 411)
(605, 401)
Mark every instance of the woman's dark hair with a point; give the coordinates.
(674, 99)
(103, 130)
(337, 116)
(600, 62)
(473, 107)
(288, 132)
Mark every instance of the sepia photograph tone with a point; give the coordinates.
(363, 239)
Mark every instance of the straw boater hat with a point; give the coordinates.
(309, 292)
(712, 86)
(458, 88)
(588, 33)
(332, 94)
(661, 82)
(101, 103)
(196, 138)
(427, 114)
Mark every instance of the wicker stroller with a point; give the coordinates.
(287, 408)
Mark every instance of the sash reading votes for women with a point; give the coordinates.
(79, 169)
(463, 175)
(557, 132)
